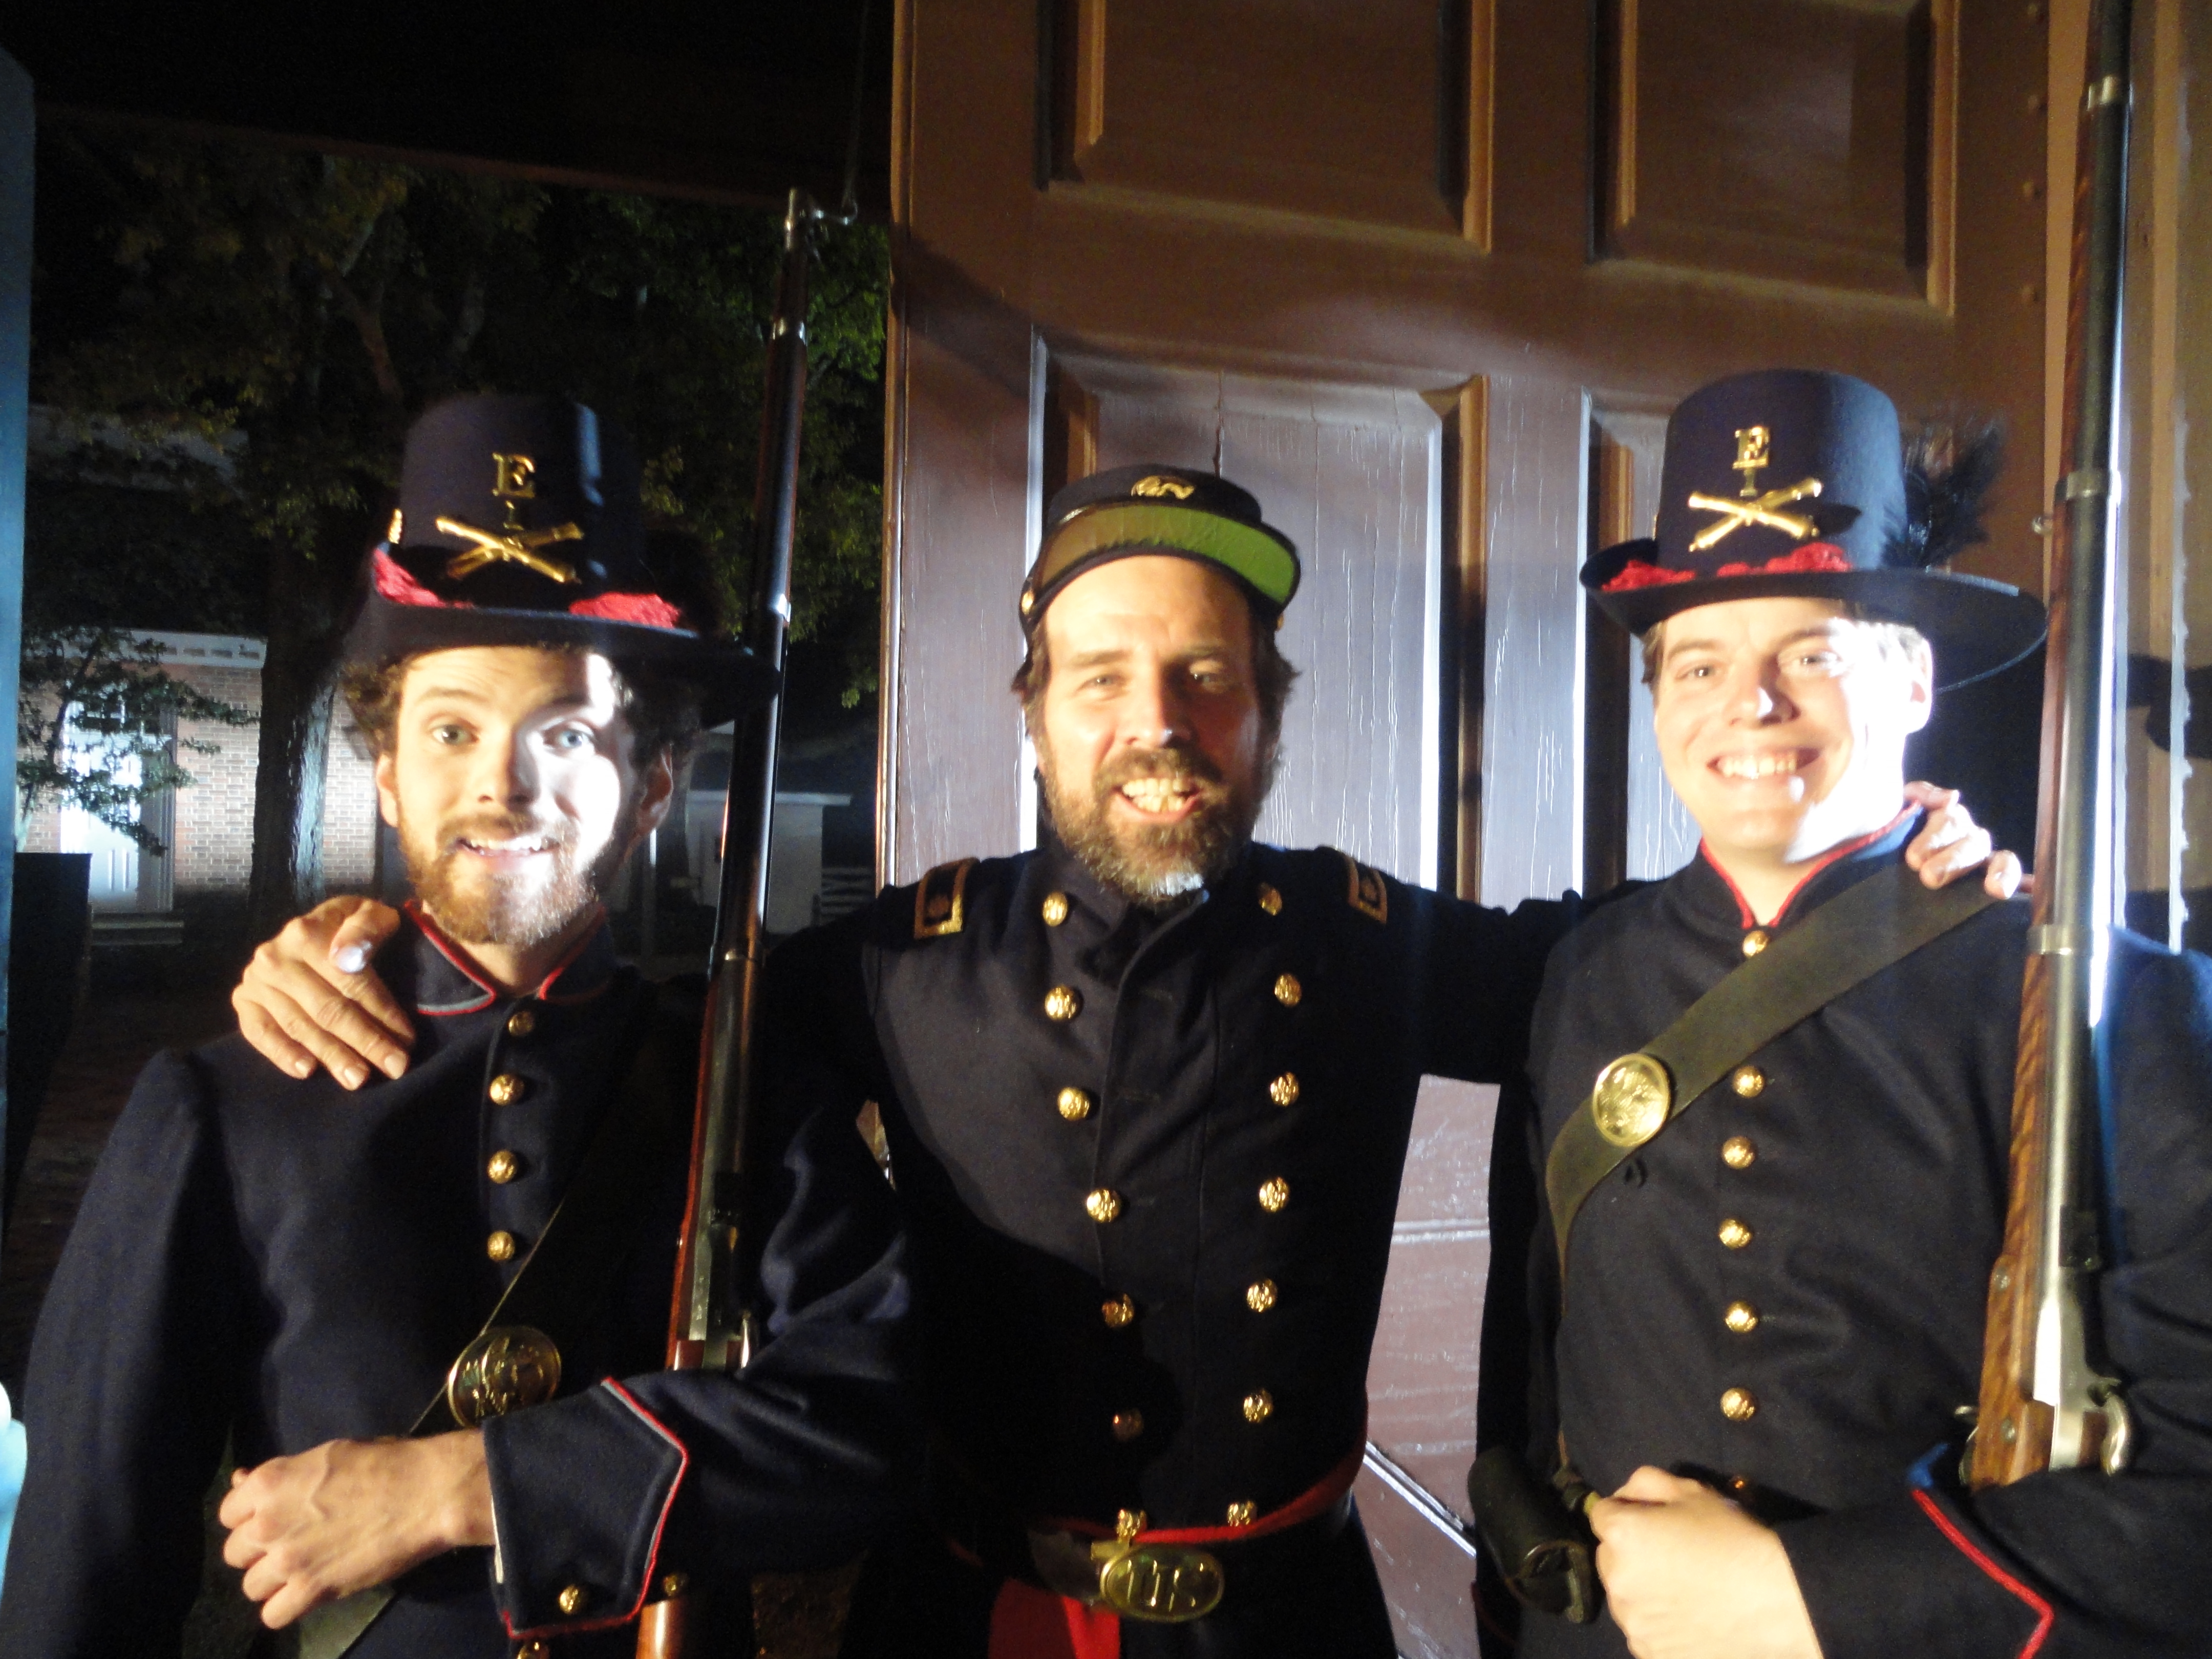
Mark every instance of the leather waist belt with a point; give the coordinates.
(1166, 1575)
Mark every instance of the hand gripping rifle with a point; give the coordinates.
(2044, 1402)
(715, 1321)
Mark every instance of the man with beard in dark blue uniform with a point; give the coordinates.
(261, 1260)
(1147, 1092)
(1761, 1356)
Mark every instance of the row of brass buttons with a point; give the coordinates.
(1737, 1152)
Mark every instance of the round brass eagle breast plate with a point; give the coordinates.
(1161, 1583)
(1631, 1100)
(504, 1369)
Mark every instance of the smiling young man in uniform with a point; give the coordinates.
(1756, 1268)
(352, 1299)
(1147, 1091)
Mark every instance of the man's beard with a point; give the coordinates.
(1150, 864)
(512, 911)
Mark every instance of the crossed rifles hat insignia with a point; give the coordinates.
(513, 479)
(1752, 507)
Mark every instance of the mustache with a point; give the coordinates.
(493, 827)
(1176, 765)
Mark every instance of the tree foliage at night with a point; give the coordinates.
(312, 306)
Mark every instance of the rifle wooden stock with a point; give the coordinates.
(714, 1320)
(2043, 1402)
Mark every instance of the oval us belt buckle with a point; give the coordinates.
(1158, 1584)
(504, 1369)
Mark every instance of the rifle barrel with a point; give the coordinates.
(713, 1322)
(2044, 1404)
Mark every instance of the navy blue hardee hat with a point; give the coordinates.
(520, 523)
(1796, 481)
(1154, 508)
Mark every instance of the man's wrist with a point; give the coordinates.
(464, 1519)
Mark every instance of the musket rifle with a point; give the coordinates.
(2044, 1401)
(715, 1321)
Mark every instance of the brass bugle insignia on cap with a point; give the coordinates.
(1631, 1099)
(504, 1369)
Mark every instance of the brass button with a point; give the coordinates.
(1734, 1234)
(1270, 900)
(1117, 1311)
(499, 1246)
(1274, 1193)
(1738, 1407)
(572, 1598)
(1284, 1091)
(1062, 1002)
(1756, 940)
(1243, 1513)
(1741, 1318)
(1749, 1082)
(504, 1166)
(1259, 1406)
(1738, 1153)
(521, 1022)
(506, 1089)
(1288, 990)
(1055, 909)
(533, 1650)
(1103, 1205)
(1074, 1105)
(1739, 1483)
(1259, 1295)
(674, 1585)
(1128, 1425)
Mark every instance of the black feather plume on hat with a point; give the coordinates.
(1948, 473)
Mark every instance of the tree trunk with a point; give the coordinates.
(297, 689)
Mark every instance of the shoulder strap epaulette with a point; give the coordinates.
(1365, 889)
(940, 901)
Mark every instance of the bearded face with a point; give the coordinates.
(505, 878)
(1148, 733)
(511, 781)
(1194, 821)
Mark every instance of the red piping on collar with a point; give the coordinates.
(583, 942)
(452, 953)
(1840, 850)
(2045, 1617)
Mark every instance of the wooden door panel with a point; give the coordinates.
(1218, 101)
(1351, 475)
(1808, 139)
(952, 638)
(1421, 1377)
(1426, 1570)
(1535, 490)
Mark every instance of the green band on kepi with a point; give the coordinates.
(1246, 551)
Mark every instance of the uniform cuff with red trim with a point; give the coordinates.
(581, 1492)
(1909, 1576)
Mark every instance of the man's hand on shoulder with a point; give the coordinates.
(351, 1513)
(307, 998)
(1951, 844)
(1688, 1575)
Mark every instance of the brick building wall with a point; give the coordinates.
(211, 829)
